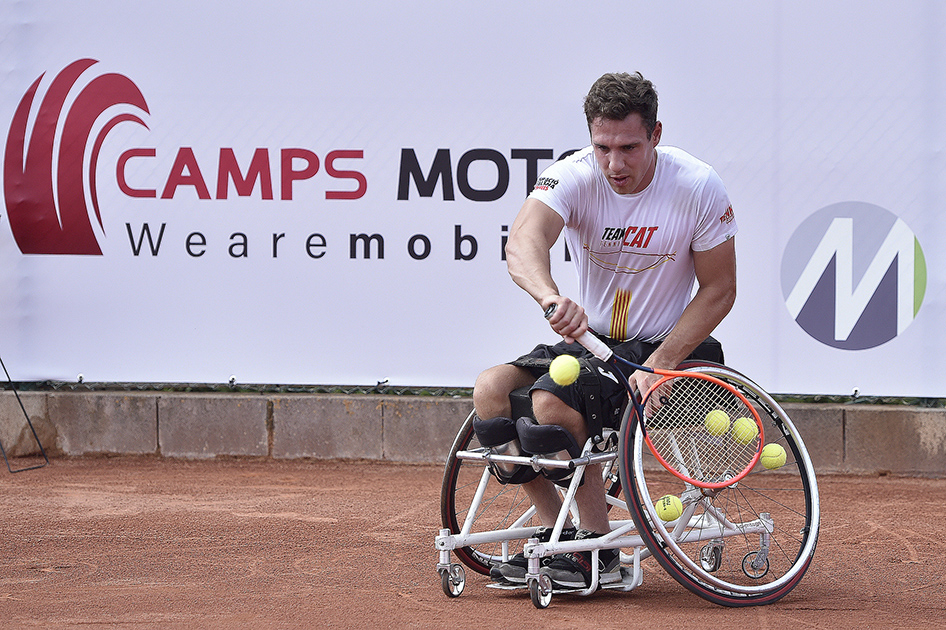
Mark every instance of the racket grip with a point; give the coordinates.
(594, 345)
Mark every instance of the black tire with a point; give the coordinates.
(789, 495)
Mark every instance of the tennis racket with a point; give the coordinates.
(700, 428)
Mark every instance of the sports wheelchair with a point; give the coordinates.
(746, 544)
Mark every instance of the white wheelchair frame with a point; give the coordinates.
(691, 548)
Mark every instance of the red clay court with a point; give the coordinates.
(146, 542)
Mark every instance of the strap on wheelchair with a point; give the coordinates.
(499, 435)
(594, 407)
(549, 441)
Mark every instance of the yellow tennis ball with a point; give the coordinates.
(564, 369)
(773, 456)
(717, 422)
(669, 507)
(744, 430)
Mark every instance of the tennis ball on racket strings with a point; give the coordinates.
(564, 369)
(773, 456)
(669, 507)
(717, 422)
(744, 430)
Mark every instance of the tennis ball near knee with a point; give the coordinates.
(669, 507)
(717, 422)
(744, 430)
(773, 456)
(564, 369)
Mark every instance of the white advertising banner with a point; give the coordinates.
(314, 193)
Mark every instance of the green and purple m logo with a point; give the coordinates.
(853, 276)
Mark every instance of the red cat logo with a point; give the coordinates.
(47, 185)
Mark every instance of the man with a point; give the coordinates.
(642, 222)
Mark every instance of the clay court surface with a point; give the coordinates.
(146, 542)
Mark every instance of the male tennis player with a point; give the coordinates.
(642, 222)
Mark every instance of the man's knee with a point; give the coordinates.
(550, 409)
(488, 390)
(493, 386)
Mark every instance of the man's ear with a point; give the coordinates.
(655, 136)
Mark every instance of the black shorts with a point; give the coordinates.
(598, 391)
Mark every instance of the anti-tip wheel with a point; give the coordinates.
(541, 591)
(453, 580)
(753, 567)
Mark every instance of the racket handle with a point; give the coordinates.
(594, 345)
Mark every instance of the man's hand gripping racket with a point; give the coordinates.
(701, 429)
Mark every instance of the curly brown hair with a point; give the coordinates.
(616, 95)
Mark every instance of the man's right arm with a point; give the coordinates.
(532, 236)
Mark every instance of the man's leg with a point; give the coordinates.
(491, 399)
(574, 569)
(549, 409)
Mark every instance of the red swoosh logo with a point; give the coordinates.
(52, 217)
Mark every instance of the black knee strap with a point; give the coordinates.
(495, 431)
(499, 435)
(549, 441)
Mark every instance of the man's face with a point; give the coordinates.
(624, 153)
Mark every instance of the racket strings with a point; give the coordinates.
(679, 434)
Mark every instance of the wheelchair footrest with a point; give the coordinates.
(627, 583)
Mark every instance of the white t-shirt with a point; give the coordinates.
(634, 253)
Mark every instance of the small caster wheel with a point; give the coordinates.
(755, 567)
(453, 580)
(711, 557)
(540, 590)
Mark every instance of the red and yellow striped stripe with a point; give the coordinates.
(619, 311)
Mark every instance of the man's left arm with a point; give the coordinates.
(716, 274)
